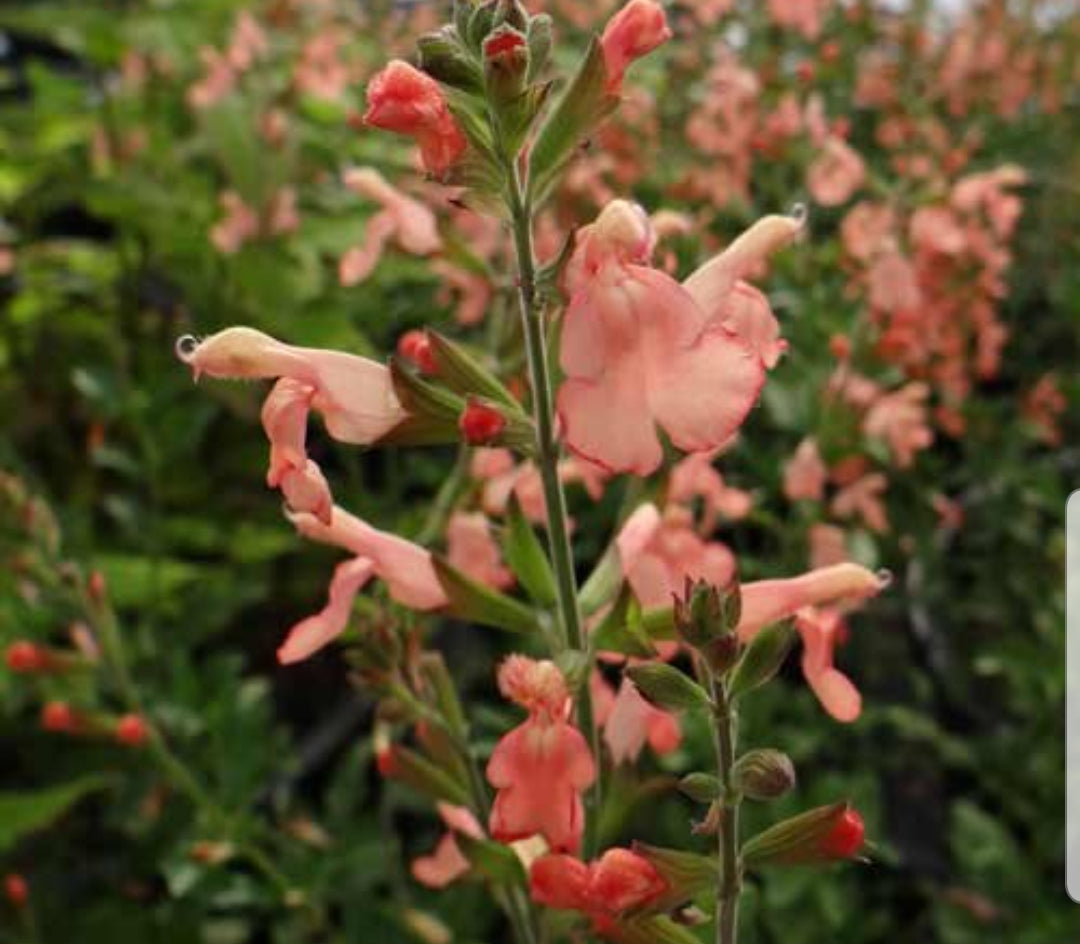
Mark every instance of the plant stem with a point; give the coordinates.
(727, 893)
(547, 459)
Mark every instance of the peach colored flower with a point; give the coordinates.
(217, 82)
(805, 473)
(239, 225)
(819, 629)
(632, 722)
(618, 882)
(446, 864)
(401, 218)
(640, 351)
(404, 567)
(828, 545)
(900, 419)
(313, 633)
(541, 768)
(635, 31)
(769, 601)
(862, 498)
(284, 418)
(354, 395)
(473, 551)
(405, 100)
(696, 478)
(836, 174)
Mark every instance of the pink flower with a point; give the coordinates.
(769, 601)
(247, 43)
(541, 768)
(447, 863)
(641, 351)
(313, 633)
(828, 545)
(473, 551)
(696, 478)
(284, 418)
(674, 552)
(403, 219)
(805, 16)
(405, 100)
(635, 31)
(632, 722)
(618, 882)
(862, 498)
(239, 225)
(837, 173)
(354, 395)
(405, 567)
(219, 79)
(900, 418)
(805, 473)
(819, 630)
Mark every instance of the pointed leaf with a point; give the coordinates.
(470, 600)
(762, 659)
(667, 687)
(526, 557)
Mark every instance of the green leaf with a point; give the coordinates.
(657, 930)
(584, 103)
(686, 873)
(424, 777)
(526, 557)
(472, 601)
(465, 375)
(667, 687)
(494, 860)
(621, 630)
(25, 812)
(762, 659)
(433, 412)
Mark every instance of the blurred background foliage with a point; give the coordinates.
(113, 465)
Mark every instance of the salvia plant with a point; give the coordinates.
(612, 372)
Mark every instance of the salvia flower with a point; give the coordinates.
(446, 864)
(617, 883)
(404, 100)
(541, 768)
(635, 31)
(406, 568)
(640, 351)
(821, 630)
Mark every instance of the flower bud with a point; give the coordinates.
(622, 880)
(480, 424)
(635, 31)
(132, 730)
(706, 613)
(684, 874)
(24, 657)
(443, 57)
(59, 717)
(16, 890)
(506, 63)
(764, 774)
(826, 834)
(415, 347)
(701, 788)
(405, 100)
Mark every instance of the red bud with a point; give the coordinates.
(16, 889)
(846, 837)
(58, 716)
(481, 424)
(132, 730)
(415, 347)
(24, 657)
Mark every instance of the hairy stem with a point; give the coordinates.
(727, 892)
(547, 458)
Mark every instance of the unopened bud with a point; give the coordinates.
(826, 834)
(480, 424)
(764, 774)
(97, 587)
(208, 852)
(444, 58)
(706, 613)
(132, 730)
(24, 657)
(16, 889)
(415, 347)
(506, 63)
(59, 717)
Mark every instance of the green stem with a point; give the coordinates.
(547, 459)
(727, 892)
